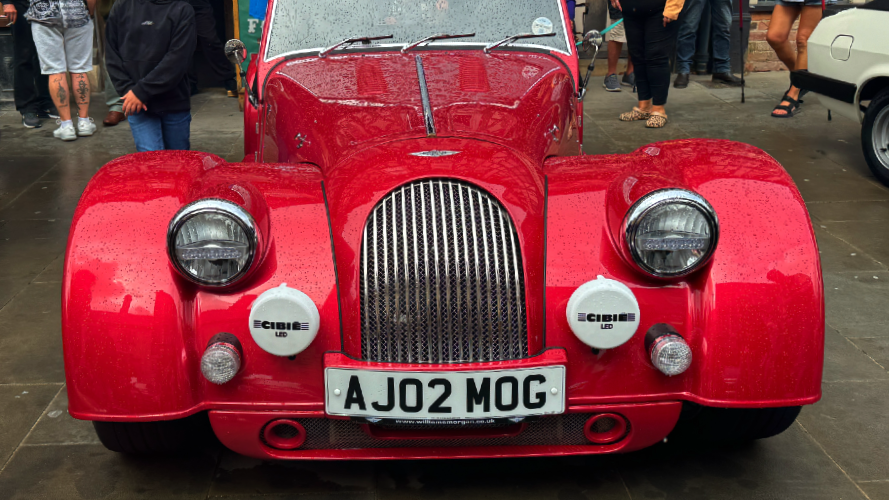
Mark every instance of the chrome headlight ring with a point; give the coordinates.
(218, 207)
(652, 202)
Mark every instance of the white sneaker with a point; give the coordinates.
(65, 132)
(85, 128)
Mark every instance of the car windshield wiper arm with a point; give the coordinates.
(440, 36)
(509, 40)
(350, 41)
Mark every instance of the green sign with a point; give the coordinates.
(249, 28)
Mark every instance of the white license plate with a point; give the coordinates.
(445, 395)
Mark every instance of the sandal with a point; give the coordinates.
(656, 120)
(788, 109)
(636, 114)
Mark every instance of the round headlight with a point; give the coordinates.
(212, 242)
(671, 232)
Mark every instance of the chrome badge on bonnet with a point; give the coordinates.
(435, 153)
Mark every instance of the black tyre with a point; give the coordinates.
(161, 437)
(704, 424)
(875, 136)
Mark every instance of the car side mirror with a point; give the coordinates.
(236, 51)
(592, 39)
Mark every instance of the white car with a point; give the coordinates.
(849, 70)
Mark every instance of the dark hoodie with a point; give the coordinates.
(148, 50)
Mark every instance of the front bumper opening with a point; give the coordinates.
(582, 430)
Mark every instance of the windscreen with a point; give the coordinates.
(309, 25)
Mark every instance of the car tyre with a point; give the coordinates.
(708, 425)
(160, 437)
(875, 136)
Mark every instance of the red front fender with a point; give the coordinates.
(134, 330)
(754, 317)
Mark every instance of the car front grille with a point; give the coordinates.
(441, 277)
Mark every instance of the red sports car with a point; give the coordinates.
(416, 260)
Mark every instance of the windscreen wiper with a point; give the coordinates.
(440, 36)
(350, 41)
(509, 40)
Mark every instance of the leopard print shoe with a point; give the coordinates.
(656, 121)
(636, 114)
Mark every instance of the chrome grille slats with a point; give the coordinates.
(449, 288)
(458, 319)
(411, 311)
(437, 319)
(519, 297)
(501, 339)
(466, 285)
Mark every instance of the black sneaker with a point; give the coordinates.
(31, 120)
(48, 112)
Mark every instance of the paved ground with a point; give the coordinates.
(837, 449)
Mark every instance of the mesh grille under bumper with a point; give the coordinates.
(441, 278)
(322, 433)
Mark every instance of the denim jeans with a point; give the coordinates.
(721, 23)
(153, 132)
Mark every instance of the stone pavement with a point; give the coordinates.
(836, 450)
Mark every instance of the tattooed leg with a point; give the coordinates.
(81, 93)
(58, 89)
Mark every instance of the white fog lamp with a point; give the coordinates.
(222, 358)
(668, 351)
(671, 232)
(212, 242)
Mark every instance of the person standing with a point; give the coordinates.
(211, 46)
(721, 23)
(617, 37)
(112, 100)
(31, 87)
(783, 16)
(651, 36)
(149, 45)
(63, 35)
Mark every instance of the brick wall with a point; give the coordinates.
(760, 56)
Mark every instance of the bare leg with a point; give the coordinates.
(58, 89)
(779, 30)
(808, 19)
(646, 106)
(81, 93)
(629, 64)
(658, 110)
(614, 49)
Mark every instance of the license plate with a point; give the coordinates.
(445, 395)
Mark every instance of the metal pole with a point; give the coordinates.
(741, 44)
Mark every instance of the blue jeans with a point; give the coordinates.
(153, 132)
(721, 23)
